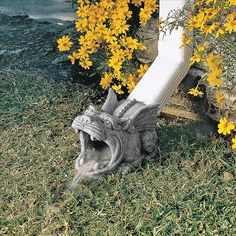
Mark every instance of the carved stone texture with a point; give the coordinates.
(149, 37)
(116, 138)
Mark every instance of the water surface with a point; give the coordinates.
(39, 9)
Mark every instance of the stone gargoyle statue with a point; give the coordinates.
(115, 138)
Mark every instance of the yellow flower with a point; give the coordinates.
(195, 58)
(225, 127)
(142, 70)
(83, 52)
(141, 47)
(86, 63)
(114, 46)
(131, 43)
(145, 15)
(106, 4)
(201, 47)
(209, 1)
(92, 46)
(219, 32)
(109, 36)
(234, 142)
(128, 14)
(117, 15)
(100, 15)
(231, 24)
(185, 40)
(122, 78)
(197, 21)
(214, 60)
(81, 2)
(198, 3)
(118, 55)
(214, 79)
(210, 13)
(129, 53)
(64, 43)
(151, 5)
(137, 3)
(91, 35)
(232, 2)
(132, 78)
(214, 76)
(219, 98)
(115, 63)
(117, 74)
(82, 11)
(122, 5)
(82, 40)
(81, 24)
(100, 29)
(195, 92)
(117, 89)
(131, 86)
(160, 22)
(209, 29)
(121, 27)
(193, 23)
(106, 81)
(73, 57)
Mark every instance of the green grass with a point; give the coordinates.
(184, 192)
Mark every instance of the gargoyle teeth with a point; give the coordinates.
(76, 131)
(92, 138)
(96, 166)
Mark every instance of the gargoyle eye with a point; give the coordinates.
(107, 123)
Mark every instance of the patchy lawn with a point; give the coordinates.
(188, 190)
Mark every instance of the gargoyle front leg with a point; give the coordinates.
(126, 167)
(149, 145)
(150, 157)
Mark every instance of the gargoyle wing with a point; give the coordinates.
(145, 118)
(111, 102)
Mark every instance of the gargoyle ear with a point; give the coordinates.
(92, 108)
(111, 102)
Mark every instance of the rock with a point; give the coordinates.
(213, 109)
(228, 109)
(226, 47)
(149, 37)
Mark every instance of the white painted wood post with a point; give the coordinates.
(169, 68)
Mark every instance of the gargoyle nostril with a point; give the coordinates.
(88, 120)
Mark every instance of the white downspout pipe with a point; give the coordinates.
(169, 68)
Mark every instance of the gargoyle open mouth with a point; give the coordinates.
(101, 151)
